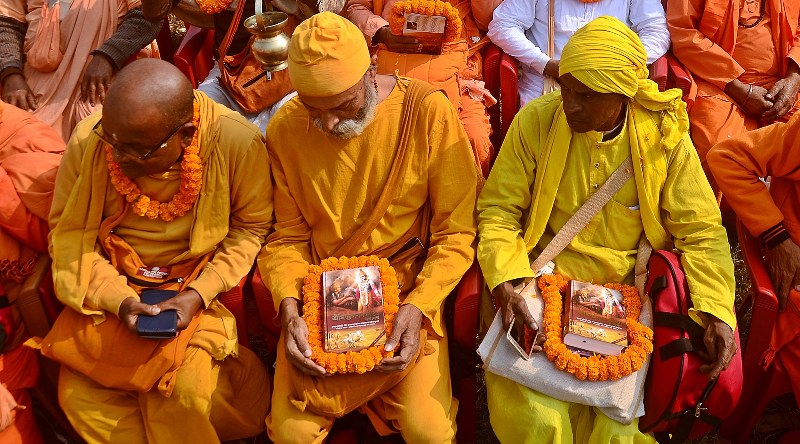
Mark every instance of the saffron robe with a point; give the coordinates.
(451, 72)
(707, 39)
(326, 189)
(231, 217)
(737, 165)
(57, 47)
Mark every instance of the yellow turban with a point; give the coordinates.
(608, 57)
(327, 55)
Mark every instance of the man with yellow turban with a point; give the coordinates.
(359, 149)
(559, 150)
(165, 190)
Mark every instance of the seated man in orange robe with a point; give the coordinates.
(165, 190)
(30, 152)
(57, 59)
(333, 151)
(458, 70)
(744, 56)
(773, 214)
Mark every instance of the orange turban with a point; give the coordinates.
(327, 55)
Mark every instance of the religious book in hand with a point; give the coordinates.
(427, 29)
(353, 309)
(161, 326)
(594, 319)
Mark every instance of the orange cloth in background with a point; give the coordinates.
(737, 164)
(30, 153)
(19, 371)
(444, 71)
(707, 39)
(85, 27)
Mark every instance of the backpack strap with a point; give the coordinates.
(415, 94)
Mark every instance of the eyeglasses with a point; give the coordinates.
(98, 131)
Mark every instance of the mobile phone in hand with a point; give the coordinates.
(522, 338)
(161, 326)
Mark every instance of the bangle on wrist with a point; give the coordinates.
(749, 90)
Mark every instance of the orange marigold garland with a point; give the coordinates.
(453, 26)
(360, 361)
(182, 201)
(213, 6)
(596, 367)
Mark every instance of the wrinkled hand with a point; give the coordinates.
(783, 264)
(513, 305)
(295, 334)
(551, 69)
(720, 347)
(407, 324)
(96, 80)
(17, 92)
(185, 303)
(783, 95)
(131, 308)
(8, 408)
(397, 43)
(755, 103)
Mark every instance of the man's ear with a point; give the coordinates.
(187, 134)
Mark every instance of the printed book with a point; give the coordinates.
(353, 309)
(427, 29)
(594, 319)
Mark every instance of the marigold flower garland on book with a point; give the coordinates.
(596, 367)
(426, 7)
(213, 6)
(182, 201)
(352, 361)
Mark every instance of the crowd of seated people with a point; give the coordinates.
(370, 143)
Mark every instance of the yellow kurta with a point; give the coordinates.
(232, 216)
(520, 200)
(324, 189)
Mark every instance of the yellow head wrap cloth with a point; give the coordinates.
(606, 56)
(327, 55)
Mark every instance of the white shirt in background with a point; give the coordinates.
(519, 27)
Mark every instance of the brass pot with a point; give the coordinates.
(271, 45)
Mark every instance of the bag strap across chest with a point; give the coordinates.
(415, 94)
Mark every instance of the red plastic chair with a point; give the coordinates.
(195, 55)
(759, 386)
(461, 309)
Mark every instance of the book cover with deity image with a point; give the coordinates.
(353, 309)
(594, 319)
(427, 29)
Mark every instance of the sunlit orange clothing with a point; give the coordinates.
(737, 165)
(454, 73)
(325, 188)
(30, 153)
(220, 391)
(722, 41)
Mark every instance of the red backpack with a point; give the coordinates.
(679, 399)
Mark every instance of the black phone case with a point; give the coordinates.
(161, 326)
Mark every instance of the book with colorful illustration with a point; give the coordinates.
(594, 319)
(427, 29)
(353, 309)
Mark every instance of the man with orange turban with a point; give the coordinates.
(744, 56)
(341, 160)
(458, 70)
(164, 190)
(559, 150)
(30, 153)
